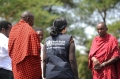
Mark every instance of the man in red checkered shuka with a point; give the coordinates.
(24, 49)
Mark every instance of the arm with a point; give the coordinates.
(41, 58)
(114, 58)
(106, 63)
(110, 61)
(72, 59)
(44, 61)
(3, 52)
(95, 61)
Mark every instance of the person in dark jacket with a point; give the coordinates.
(59, 61)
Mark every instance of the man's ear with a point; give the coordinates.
(27, 19)
(106, 29)
(3, 30)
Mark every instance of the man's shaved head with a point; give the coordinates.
(103, 24)
(28, 17)
(26, 14)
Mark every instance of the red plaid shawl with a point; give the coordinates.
(24, 50)
(104, 49)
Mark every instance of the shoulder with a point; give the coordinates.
(3, 40)
(30, 31)
(112, 37)
(41, 44)
(95, 39)
(67, 36)
(49, 37)
(3, 37)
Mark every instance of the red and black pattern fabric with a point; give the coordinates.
(24, 50)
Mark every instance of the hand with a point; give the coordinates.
(99, 66)
(95, 61)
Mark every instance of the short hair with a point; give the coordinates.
(39, 29)
(4, 24)
(26, 14)
(103, 23)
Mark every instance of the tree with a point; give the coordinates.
(93, 11)
(42, 9)
(90, 13)
(114, 29)
(83, 70)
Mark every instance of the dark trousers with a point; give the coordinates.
(6, 74)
